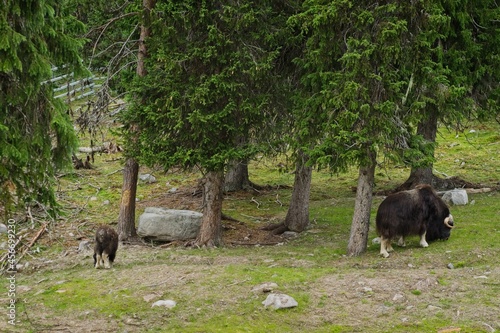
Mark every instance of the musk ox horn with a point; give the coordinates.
(449, 222)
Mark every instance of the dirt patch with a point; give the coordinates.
(408, 297)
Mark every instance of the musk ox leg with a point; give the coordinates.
(423, 242)
(401, 241)
(383, 246)
(99, 262)
(107, 261)
(388, 246)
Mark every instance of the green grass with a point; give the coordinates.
(213, 288)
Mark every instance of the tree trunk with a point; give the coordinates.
(236, 177)
(427, 128)
(126, 218)
(210, 234)
(297, 217)
(361, 218)
(147, 6)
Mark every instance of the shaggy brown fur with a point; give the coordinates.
(106, 244)
(415, 212)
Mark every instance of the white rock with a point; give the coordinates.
(376, 240)
(147, 178)
(433, 308)
(166, 303)
(3, 228)
(84, 246)
(280, 301)
(367, 289)
(456, 197)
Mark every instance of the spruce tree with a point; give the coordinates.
(36, 133)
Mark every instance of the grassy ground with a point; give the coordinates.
(412, 291)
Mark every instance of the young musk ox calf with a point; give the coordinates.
(415, 212)
(106, 244)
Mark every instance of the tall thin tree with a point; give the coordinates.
(126, 217)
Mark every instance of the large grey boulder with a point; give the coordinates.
(280, 301)
(456, 197)
(168, 225)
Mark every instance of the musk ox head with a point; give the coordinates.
(440, 229)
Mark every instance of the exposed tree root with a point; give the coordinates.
(276, 228)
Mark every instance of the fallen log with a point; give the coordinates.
(107, 147)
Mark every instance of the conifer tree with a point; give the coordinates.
(36, 133)
(208, 83)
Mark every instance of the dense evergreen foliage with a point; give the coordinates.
(209, 82)
(36, 134)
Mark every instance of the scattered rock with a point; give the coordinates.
(290, 234)
(3, 228)
(168, 225)
(265, 287)
(169, 304)
(456, 197)
(172, 190)
(433, 307)
(367, 290)
(450, 266)
(376, 240)
(147, 178)
(280, 301)
(398, 298)
(84, 246)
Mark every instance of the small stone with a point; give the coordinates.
(106, 202)
(290, 234)
(433, 307)
(166, 303)
(450, 266)
(84, 246)
(376, 240)
(147, 178)
(172, 190)
(3, 228)
(398, 298)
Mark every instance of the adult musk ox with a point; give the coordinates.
(106, 244)
(415, 212)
